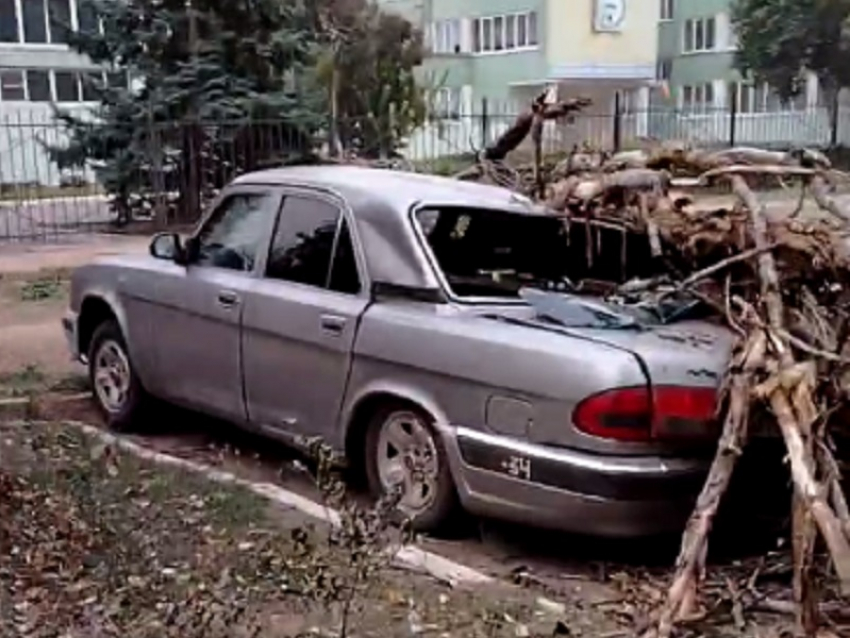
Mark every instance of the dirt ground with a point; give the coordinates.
(34, 296)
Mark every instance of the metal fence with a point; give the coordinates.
(176, 167)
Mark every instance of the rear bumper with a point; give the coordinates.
(572, 491)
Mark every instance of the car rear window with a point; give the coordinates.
(492, 253)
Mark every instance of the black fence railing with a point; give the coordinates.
(165, 172)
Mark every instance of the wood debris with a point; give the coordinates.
(782, 282)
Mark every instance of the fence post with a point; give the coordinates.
(484, 123)
(618, 128)
(833, 117)
(733, 117)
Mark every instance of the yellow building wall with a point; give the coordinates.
(570, 38)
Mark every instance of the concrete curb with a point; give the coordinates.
(16, 408)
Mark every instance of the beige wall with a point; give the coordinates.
(570, 38)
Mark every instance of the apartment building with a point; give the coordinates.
(37, 70)
(491, 56)
(696, 50)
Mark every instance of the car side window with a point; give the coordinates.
(232, 236)
(302, 250)
(344, 275)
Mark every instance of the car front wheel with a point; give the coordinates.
(117, 390)
(405, 453)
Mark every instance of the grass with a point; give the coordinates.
(32, 380)
(43, 289)
(97, 542)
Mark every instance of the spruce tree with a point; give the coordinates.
(218, 88)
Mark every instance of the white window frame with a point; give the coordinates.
(447, 103)
(530, 41)
(446, 37)
(666, 10)
(629, 101)
(51, 74)
(699, 102)
(73, 11)
(24, 85)
(694, 26)
(77, 81)
(760, 99)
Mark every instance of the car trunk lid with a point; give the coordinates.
(683, 359)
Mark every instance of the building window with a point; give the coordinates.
(505, 32)
(759, 98)
(91, 82)
(59, 20)
(8, 21)
(699, 97)
(87, 20)
(699, 35)
(35, 21)
(446, 38)
(12, 87)
(38, 86)
(447, 103)
(667, 9)
(67, 86)
(44, 21)
(663, 70)
(629, 101)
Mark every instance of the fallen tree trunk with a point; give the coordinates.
(690, 566)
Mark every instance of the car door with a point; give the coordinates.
(300, 318)
(196, 317)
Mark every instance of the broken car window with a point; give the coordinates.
(490, 253)
(499, 254)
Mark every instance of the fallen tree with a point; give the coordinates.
(780, 280)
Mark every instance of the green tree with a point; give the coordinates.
(220, 88)
(779, 40)
(368, 69)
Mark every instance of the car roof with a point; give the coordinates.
(381, 200)
(398, 189)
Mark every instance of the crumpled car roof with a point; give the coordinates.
(381, 201)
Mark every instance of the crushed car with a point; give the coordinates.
(434, 332)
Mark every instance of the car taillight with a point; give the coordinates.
(644, 414)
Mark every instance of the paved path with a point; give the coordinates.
(32, 257)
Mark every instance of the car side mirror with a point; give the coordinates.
(169, 247)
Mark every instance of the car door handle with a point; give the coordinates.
(333, 323)
(228, 299)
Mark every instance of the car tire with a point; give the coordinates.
(117, 391)
(432, 505)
